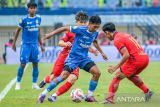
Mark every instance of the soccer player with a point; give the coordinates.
(78, 57)
(66, 42)
(134, 61)
(30, 26)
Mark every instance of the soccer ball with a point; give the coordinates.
(77, 95)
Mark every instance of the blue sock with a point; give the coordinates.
(92, 85)
(35, 73)
(53, 84)
(20, 73)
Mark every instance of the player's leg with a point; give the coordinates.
(66, 86)
(56, 70)
(34, 58)
(113, 87)
(64, 75)
(24, 58)
(35, 73)
(19, 76)
(93, 69)
(138, 81)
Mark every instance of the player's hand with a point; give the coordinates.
(68, 44)
(42, 48)
(14, 47)
(111, 69)
(104, 56)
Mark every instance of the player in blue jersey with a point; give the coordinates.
(30, 26)
(78, 57)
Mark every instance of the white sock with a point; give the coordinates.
(45, 92)
(90, 93)
(34, 84)
(54, 94)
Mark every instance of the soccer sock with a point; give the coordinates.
(47, 79)
(113, 88)
(64, 88)
(20, 73)
(92, 87)
(139, 83)
(35, 73)
(53, 84)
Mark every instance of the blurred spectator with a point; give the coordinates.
(150, 41)
(148, 3)
(155, 3)
(138, 3)
(49, 3)
(3, 3)
(8, 44)
(64, 3)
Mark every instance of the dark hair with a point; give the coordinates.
(82, 17)
(109, 27)
(95, 20)
(31, 4)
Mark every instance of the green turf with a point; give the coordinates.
(27, 97)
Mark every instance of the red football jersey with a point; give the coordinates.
(69, 37)
(125, 40)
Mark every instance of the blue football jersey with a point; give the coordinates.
(82, 41)
(30, 26)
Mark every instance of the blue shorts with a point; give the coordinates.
(29, 53)
(75, 62)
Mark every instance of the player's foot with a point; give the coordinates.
(41, 98)
(42, 84)
(35, 86)
(148, 95)
(90, 99)
(18, 86)
(107, 102)
(52, 98)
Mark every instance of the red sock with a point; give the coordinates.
(64, 88)
(47, 79)
(113, 88)
(139, 83)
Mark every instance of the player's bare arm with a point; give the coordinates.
(64, 44)
(94, 51)
(40, 41)
(59, 30)
(95, 42)
(15, 38)
(125, 56)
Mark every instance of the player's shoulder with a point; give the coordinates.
(69, 34)
(38, 16)
(24, 17)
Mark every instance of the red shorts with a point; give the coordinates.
(130, 67)
(59, 65)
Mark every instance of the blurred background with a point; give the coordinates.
(141, 18)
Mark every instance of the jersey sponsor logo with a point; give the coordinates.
(84, 45)
(29, 23)
(85, 37)
(32, 29)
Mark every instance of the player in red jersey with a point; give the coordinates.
(66, 42)
(134, 61)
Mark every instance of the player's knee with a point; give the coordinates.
(65, 75)
(72, 79)
(97, 74)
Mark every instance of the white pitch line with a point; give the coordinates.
(9, 86)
